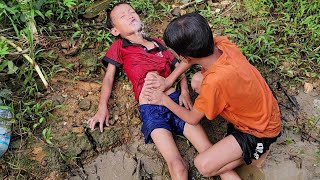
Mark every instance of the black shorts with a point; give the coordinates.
(252, 147)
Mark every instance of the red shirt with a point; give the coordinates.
(137, 61)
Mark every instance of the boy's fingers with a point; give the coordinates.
(101, 126)
(107, 121)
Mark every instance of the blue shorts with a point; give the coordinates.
(155, 116)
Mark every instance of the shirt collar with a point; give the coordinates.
(126, 43)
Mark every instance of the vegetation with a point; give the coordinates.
(281, 35)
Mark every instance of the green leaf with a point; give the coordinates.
(12, 68)
(4, 51)
(69, 3)
(48, 13)
(39, 13)
(3, 65)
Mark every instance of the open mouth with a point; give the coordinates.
(133, 21)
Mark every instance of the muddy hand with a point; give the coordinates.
(99, 117)
(154, 81)
(185, 100)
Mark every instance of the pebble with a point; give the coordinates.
(307, 87)
(225, 3)
(176, 11)
(85, 104)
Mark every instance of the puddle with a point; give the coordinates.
(250, 172)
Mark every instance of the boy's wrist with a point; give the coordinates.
(164, 99)
(184, 91)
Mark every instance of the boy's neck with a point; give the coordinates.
(206, 62)
(136, 38)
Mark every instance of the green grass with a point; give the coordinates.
(284, 35)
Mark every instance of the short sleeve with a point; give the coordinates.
(113, 55)
(210, 100)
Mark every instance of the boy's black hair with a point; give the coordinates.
(109, 20)
(190, 36)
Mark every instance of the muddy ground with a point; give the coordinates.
(293, 156)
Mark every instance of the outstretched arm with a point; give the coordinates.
(102, 115)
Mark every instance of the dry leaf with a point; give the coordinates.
(78, 130)
(38, 154)
(308, 87)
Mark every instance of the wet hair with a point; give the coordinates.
(190, 36)
(109, 20)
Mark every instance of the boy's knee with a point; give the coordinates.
(178, 165)
(196, 81)
(203, 167)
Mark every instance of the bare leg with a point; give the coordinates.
(197, 136)
(220, 159)
(164, 141)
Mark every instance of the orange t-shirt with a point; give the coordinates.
(235, 89)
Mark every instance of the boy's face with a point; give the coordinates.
(125, 20)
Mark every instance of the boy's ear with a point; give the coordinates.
(115, 32)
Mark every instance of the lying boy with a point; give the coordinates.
(139, 55)
(228, 85)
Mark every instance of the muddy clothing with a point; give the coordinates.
(137, 61)
(235, 89)
(155, 116)
(251, 146)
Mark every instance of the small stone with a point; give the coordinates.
(78, 130)
(57, 100)
(85, 104)
(214, 4)
(307, 88)
(64, 95)
(116, 116)
(112, 121)
(176, 11)
(225, 3)
(44, 163)
(64, 123)
(65, 44)
(217, 10)
(90, 92)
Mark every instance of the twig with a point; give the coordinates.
(29, 59)
(4, 30)
(83, 26)
(19, 52)
(228, 9)
(189, 4)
